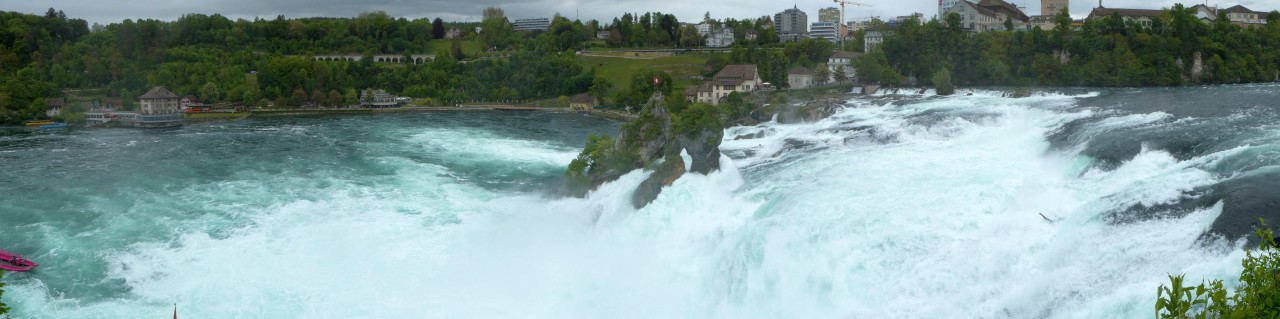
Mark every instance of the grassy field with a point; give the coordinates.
(469, 48)
(619, 68)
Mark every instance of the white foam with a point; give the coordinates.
(942, 222)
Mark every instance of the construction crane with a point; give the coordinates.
(843, 3)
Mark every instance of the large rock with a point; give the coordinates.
(666, 174)
(704, 148)
(648, 135)
(648, 140)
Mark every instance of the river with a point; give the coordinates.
(1072, 203)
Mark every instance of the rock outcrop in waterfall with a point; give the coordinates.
(653, 141)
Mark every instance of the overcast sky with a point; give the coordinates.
(108, 11)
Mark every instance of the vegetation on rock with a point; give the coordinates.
(942, 82)
(654, 140)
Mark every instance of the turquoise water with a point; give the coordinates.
(911, 206)
(85, 202)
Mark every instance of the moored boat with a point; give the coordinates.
(54, 125)
(38, 122)
(14, 262)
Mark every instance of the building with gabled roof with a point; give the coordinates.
(55, 106)
(1243, 17)
(989, 15)
(159, 101)
(734, 78)
(843, 61)
(582, 102)
(799, 77)
(1141, 17)
(157, 108)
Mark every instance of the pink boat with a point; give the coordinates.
(7, 262)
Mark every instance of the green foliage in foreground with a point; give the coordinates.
(1258, 295)
(3, 308)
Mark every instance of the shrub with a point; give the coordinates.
(942, 82)
(3, 308)
(1258, 295)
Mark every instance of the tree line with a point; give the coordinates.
(260, 62)
(1176, 48)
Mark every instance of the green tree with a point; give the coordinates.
(642, 87)
(299, 98)
(209, 92)
(942, 82)
(840, 74)
(600, 87)
(493, 13)
(126, 99)
(335, 98)
(562, 102)
(250, 96)
(736, 106)
(821, 75)
(349, 97)
(455, 49)
(437, 29)
(318, 98)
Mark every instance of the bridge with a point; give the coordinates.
(380, 58)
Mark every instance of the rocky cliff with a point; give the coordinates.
(654, 141)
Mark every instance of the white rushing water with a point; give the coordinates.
(903, 217)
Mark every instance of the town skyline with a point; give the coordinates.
(106, 13)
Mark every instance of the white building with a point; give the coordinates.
(989, 15)
(538, 24)
(872, 38)
(159, 101)
(732, 78)
(704, 29)
(842, 60)
(824, 30)
(1243, 17)
(902, 19)
(800, 77)
(943, 6)
(721, 38)
(157, 108)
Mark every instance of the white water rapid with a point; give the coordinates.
(917, 207)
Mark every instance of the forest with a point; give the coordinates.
(1175, 49)
(267, 61)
